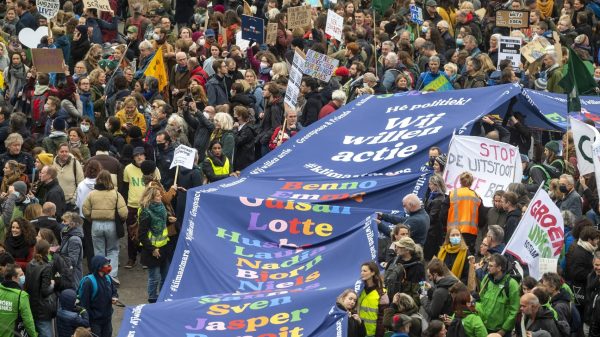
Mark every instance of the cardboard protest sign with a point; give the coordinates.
(335, 25)
(584, 136)
(247, 8)
(512, 19)
(416, 14)
(47, 8)
(253, 29)
(271, 38)
(184, 156)
(493, 164)
(509, 48)
(540, 234)
(319, 66)
(293, 88)
(101, 5)
(48, 60)
(298, 17)
(535, 49)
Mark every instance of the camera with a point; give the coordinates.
(188, 99)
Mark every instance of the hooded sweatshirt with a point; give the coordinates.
(99, 307)
(70, 316)
(83, 189)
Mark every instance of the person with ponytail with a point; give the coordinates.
(347, 302)
(40, 287)
(373, 299)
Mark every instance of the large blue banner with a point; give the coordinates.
(259, 245)
(281, 313)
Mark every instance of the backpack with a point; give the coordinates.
(424, 323)
(62, 272)
(394, 277)
(550, 173)
(92, 279)
(456, 329)
(38, 115)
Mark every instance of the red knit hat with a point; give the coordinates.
(342, 72)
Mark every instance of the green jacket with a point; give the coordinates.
(10, 306)
(498, 311)
(473, 325)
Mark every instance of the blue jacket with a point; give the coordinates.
(417, 221)
(26, 20)
(98, 25)
(216, 91)
(70, 316)
(100, 307)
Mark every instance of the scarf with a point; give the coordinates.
(546, 8)
(40, 89)
(158, 217)
(76, 144)
(587, 246)
(216, 134)
(88, 105)
(17, 71)
(148, 95)
(57, 134)
(459, 261)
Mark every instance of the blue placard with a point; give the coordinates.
(253, 29)
(416, 14)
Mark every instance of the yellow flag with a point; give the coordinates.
(156, 69)
(1, 80)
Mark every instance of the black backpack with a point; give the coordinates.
(394, 277)
(63, 272)
(456, 328)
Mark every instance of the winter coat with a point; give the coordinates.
(244, 147)
(497, 310)
(561, 303)
(312, 107)
(100, 205)
(22, 157)
(99, 307)
(16, 302)
(440, 301)
(72, 247)
(216, 91)
(112, 165)
(70, 316)
(438, 216)
(544, 320)
(272, 118)
(208, 170)
(83, 189)
(42, 298)
(512, 221)
(51, 191)
(415, 273)
(53, 141)
(15, 79)
(202, 129)
(473, 325)
(418, 222)
(137, 119)
(69, 176)
(572, 202)
(355, 328)
(50, 223)
(19, 249)
(244, 99)
(147, 258)
(187, 179)
(592, 308)
(163, 164)
(579, 264)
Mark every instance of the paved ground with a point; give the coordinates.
(133, 287)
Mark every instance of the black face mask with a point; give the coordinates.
(563, 189)
(162, 146)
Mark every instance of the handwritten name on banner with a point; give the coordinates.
(101, 5)
(184, 156)
(540, 234)
(493, 164)
(319, 66)
(47, 8)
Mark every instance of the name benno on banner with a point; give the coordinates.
(493, 164)
(540, 234)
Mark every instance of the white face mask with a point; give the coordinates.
(84, 127)
(264, 65)
(107, 126)
(271, 73)
(202, 42)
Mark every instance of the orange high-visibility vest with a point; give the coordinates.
(464, 210)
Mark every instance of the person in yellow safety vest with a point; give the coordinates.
(154, 236)
(216, 166)
(372, 300)
(464, 210)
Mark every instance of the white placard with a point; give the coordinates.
(243, 44)
(293, 88)
(184, 156)
(509, 48)
(319, 66)
(47, 8)
(548, 265)
(31, 38)
(584, 136)
(335, 25)
(540, 234)
(493, 164)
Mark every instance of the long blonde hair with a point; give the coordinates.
(148, 195)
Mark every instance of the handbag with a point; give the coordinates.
(118, 221)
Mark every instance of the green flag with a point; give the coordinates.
(382, 5)
(576, 79)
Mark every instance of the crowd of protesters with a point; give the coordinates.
(86, 155)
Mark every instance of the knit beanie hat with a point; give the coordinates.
(148, 167)
(46, 158)
(553, 146)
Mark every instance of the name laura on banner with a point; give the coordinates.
(493, 164)
(540, 234)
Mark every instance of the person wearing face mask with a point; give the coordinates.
(233, 74)
(571, 200)
(98, 296)
(439, 300)
(11, 292)
(240, 97)
(453, 253)
(161, 44)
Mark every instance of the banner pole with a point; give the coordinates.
(176, 175)
(374, 46)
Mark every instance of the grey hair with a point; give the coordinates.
(496, 233)
(569, 178)
(392, 57)
(434, 58)
(438, 182)
(146, 45)
(339, 95)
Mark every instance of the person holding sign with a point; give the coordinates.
(286, 131)
(216, 166)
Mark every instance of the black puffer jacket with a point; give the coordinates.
(439, 299)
